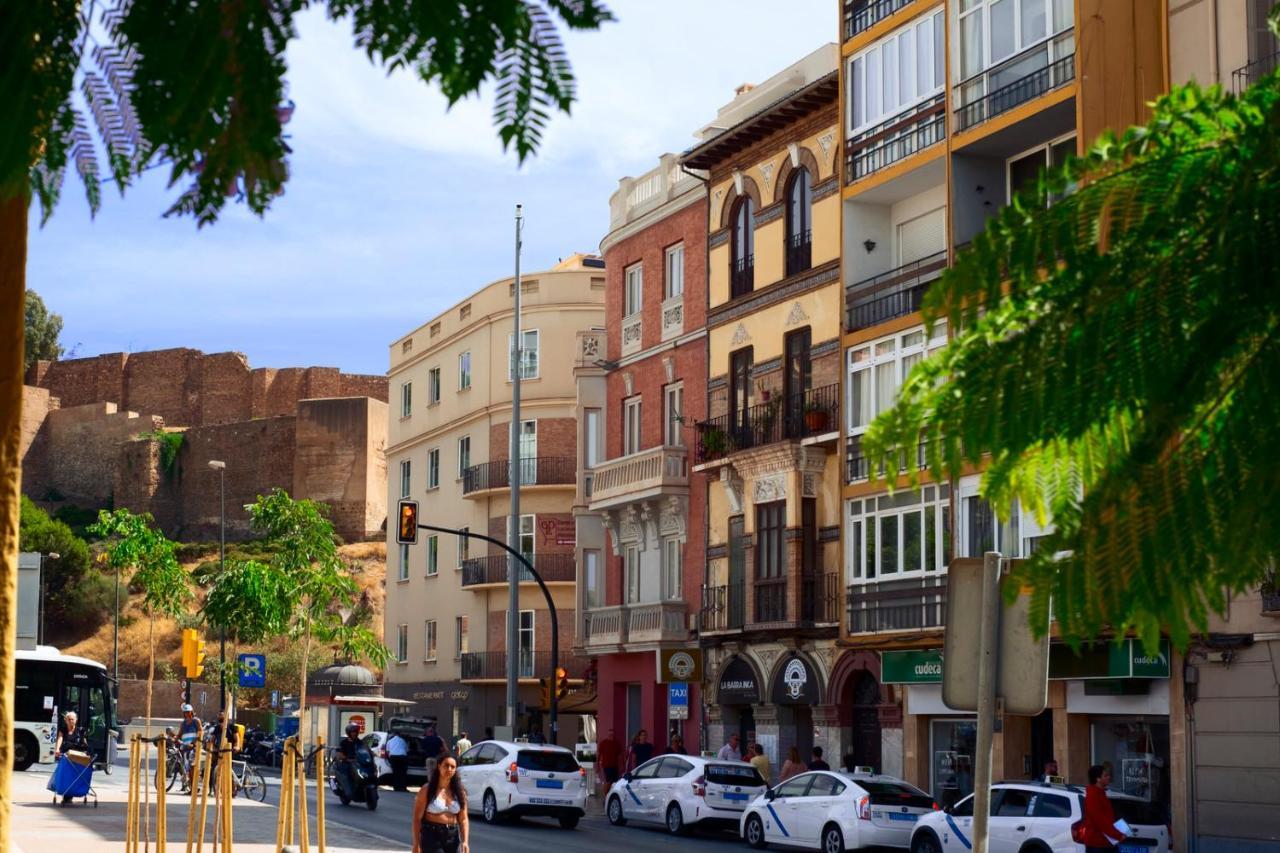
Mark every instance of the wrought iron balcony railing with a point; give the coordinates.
(799, 252)
(486, 666)
(897, 605)
(814, 412)
(742, 276)
(862, 14)
(895, 293)
(985, 97)
(724, 607)
(492, 569)
(534, 471)
(1247, 75)
(905, 134)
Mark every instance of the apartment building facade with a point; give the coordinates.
(639, 591)
(947, 110)
(449, 449)
(768, 446)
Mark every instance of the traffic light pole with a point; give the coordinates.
(551, 608)
(513, 533)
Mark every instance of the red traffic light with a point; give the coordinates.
(407, 530)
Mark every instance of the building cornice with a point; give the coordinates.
(653, 217)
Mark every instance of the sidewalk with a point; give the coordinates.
(40, 825)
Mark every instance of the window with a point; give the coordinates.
(459, 637)
(464, 371)
(591, 426)
(406, 399)
(674, 285)
(739, 387)
(433, 468)
(525, 638)
(826, 786)
(896, 73)
(1024, 170)
(634, 290)
(406, 478)
(433, 555)
(525, 540)
(403, 573)
(402, 643)
(743, 257)
(673, 403)
(901, 535)
(1015, 803)
(464, 545)
(631, 568)
(464, 455)
(430, 645)
(792, 787)
(672, 569)
(433, 386)
(770, 522)
(528, 355)
(799, 222)
(591, 577)
(631, 425)
(877, 369)
(982, 530)
(994, 30)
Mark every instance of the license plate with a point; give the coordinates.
(736, 798)
(550, 783)
(900, 816)
(1134, 848)
(547, 801)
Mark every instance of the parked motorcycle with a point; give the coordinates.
(356, 781)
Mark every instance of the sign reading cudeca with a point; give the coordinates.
(1105, 660)
(796, 683)
(679, 665)
(738, 684)
(913, 667)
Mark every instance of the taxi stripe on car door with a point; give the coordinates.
(778, 821)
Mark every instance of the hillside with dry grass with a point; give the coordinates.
(366, 561)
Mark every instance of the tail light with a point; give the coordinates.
(1077, 832)
(864, 808)
(936, 807)
(582, 777)
(513, 773)
(700, 786)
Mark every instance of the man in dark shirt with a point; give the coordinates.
(607, 755)
(347, 758)
(817, 763)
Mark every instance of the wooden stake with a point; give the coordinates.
(204, 801)
(131, 805)
(195, 793)
(227, 793)
(320, 793)
(302, 806)
(162, 759)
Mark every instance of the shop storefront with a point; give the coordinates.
(795, 690)
(737, 694)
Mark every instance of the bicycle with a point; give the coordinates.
(245, 779)
(177, 768)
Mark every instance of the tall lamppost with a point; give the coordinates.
(54, 555)
(221, 468)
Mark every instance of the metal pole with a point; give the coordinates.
(513, 535)
(988, 652)
(115, 635)
(40, 621)
(222, 568)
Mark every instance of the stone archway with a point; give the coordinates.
(866, 737)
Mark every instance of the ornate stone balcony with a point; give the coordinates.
(650, 473)
(622, 628)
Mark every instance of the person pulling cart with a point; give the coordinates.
(73, 773)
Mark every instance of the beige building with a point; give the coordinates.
(449, 448)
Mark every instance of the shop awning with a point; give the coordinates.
(368, 700)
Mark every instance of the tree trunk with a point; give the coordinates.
(13, 265)
(302, 695)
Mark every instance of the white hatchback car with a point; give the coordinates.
(680, 791)
(1033, 817)
(504, 779)
(835, 811)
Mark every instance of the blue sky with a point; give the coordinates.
(396, 208)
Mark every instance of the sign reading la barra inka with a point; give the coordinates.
(679, 665)
(738, 684)
(1105, 660)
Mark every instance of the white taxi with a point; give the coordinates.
(506, 780)
(835, 811)
(680, 791)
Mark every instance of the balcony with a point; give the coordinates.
(1247, 75)
(632, 333)
(642, 475)
(637, 624)
(1032, 73)
(535, 471)
(897, 605)
(724, 608)
(799, 252)
(895, 293)
(861, 15)
(742, 276)
(492, 666)
(492, 570)
(814, 413)
(905, 134)
(858, 467)
(673, 317)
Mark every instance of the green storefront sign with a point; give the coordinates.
(1106, 660)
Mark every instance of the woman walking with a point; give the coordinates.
(641, 750)
(793, 766)
(440, 811)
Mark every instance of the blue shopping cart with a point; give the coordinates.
(73, 779)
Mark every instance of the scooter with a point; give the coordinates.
(356, 781)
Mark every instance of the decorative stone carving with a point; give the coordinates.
(732, 484)
(673, 516)
(809, 489)
(797, 315)
(771, 488)
(737, 181)
(766, 173)
(590, 348)
(610, 520)
(629, 530)
(631, 334)
(794, 151)
(648, 521)
(767, 657)
(825, 141)
(672, 320)
(628, 382)
(740, 335)
(669, 368)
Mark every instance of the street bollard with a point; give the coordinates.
(320, 794)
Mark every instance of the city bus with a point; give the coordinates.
(49, 685)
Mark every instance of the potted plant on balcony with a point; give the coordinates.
(1270, 590)
(816, 417)
(714, 442)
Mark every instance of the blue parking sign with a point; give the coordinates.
(253, 670)
(678, 693)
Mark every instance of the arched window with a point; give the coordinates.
(799, 222)
(742, 269)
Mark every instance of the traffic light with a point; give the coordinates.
(407, 532)
(544, 685)
(562, 682)
(192, 653)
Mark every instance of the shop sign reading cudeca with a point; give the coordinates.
(911, 667)
(1124, 660)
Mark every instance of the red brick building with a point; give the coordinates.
(639, 584)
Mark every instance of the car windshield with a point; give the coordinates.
(547, 761)
(730, 774)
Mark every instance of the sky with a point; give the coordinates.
(396, 208)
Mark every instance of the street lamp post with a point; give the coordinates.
(221, 468)
(54, 555)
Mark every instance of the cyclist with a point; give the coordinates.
(189, 731)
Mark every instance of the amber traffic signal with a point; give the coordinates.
(407, 532)
(192, 653)
(562, 682)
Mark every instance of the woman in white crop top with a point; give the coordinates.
(440, 811)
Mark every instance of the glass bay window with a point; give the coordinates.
(896, 73)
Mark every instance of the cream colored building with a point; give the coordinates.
(449, 449)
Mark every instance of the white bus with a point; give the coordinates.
(49, 685)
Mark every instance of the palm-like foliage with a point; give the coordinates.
(1116, 364)
(199, 85)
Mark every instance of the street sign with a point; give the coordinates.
(1022, 668)
(677, 665)
(253, 670)
(678, 701)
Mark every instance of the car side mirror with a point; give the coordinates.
(946, 809)
(626, 777)
(771, 794)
